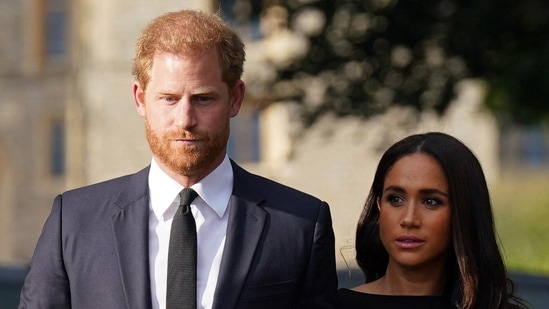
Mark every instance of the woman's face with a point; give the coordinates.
(415, 214)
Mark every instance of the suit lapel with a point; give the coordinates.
(246, 221)
(131, 233)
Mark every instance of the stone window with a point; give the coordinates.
(57, 148)
(55, 29)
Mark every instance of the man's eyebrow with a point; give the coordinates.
(203, 90)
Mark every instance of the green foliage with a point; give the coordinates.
(510, 49)
(372, 54)
(521, 208)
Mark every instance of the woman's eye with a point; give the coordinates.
(395, 200)
(432, 202)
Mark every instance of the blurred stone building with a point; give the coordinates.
(66, 114)
(67, 118)
(34, 75)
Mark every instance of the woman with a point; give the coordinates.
(426, 238)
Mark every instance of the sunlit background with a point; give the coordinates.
(330, 85)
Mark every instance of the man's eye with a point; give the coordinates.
(169, 100)
(202, 99)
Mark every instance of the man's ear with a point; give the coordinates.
(237, 97)
(139, 98)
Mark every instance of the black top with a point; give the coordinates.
(351, 299)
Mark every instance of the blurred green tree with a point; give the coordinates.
(363, 56)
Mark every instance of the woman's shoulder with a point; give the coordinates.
(350, 299)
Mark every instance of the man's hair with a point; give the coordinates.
(189, 32)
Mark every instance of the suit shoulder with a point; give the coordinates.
(255, 184)
(136, 182)
(278, 187)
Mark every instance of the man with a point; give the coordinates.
(260, 244)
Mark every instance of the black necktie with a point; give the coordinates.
(181, 288)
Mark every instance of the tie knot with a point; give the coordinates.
(186, 196)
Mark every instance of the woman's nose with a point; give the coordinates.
(410, 217)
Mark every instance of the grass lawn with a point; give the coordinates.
(521, 210)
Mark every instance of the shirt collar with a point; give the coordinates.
(215, 189)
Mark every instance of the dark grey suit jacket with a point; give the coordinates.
(93, 250)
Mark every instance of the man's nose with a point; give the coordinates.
(184, 114)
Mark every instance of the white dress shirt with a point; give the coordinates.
(210, 211)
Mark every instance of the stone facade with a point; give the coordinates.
(33, 98)
(85, 90)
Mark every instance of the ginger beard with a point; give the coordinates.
(187, 160)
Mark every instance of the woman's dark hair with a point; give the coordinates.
(476, 275)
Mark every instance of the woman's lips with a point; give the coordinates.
(408, 242)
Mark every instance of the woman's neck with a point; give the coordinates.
(399, 280)
(402, 281)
